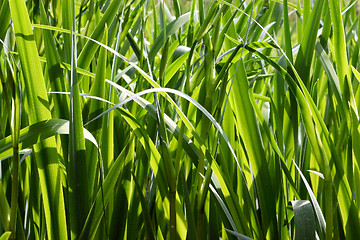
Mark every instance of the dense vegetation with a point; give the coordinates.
(142, 119)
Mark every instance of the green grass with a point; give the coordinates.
(179, 119)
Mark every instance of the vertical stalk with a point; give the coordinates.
(76, 164)
(343, 72)
(342, 65)
(329, 218)
(172, 215)
(298, 22)
(201, 11)
(15, 131)
(328, 206)
(306, 12)
(288, 48)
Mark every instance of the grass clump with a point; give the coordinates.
(164, 120)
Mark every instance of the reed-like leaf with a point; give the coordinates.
(38, 110)
(249, 130)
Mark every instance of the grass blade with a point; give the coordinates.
(45, 151)
(304, 219)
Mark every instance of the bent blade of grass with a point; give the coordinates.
(188, 144)
(214, 166)
(45, 151)
(304, 219)
(184, 118)
(90, 47)
(318, 212)
(38, 132)
(169, 30)
(238, 235)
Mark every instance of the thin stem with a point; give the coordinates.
(14, 192)
(15, 131)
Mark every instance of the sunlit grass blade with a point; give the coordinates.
(77, 166)
(38, 110)
(188, 119)
(347, 208)
(96, 213)
(96, 107)
(5, 236)
(170, 29)
(37, 132)
(54, 69)
(90, 47)
(250, 133)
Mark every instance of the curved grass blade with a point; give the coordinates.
(238, 235)
(224, 183)
(90, 47)
(304, 220)
(170, 29)
(318, 212)
(38, 132)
